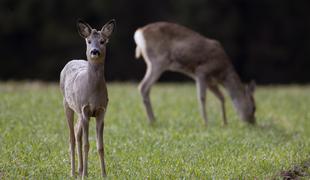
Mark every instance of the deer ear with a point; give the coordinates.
(84, 29)
(108, 28)
(252, 86)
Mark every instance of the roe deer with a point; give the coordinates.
(167, 46)
(84, 92)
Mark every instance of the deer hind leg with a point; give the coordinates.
(100, 144)
(201, 95)
(70, 120)
(217, 92)
(153, 72)
(78, 136)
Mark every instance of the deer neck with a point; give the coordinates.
(234, 86)
(96, 71)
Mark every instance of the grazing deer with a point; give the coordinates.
(167, 46)
(84, 92)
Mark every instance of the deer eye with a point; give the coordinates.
(104, 41)
(88, 41)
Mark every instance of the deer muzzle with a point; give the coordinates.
(94, 53)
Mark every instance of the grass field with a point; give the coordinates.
(34, 134)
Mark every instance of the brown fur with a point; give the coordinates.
(168, 46)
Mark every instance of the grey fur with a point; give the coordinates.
(84, 90)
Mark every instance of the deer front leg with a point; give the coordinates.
(70, 119)
(100, 144)
(85, 125)
(78, 137)
(201, 95)
(216, 91)
(153, 72)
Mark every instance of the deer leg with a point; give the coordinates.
(201, 95)
(100, 145)
(70, 119)
(79, 133)
(153, 72)
(85, 125)
(217, 92)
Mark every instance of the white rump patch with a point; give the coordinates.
(140, 41)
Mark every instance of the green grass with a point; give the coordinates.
(34, 134)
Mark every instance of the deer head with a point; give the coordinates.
(96, 41)
(246, 106)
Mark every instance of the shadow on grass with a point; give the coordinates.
(175, 125)
(269, 127)
(266, 127)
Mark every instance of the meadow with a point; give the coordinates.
(34, 135)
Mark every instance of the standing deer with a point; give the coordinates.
(167, 46)
(84, 92)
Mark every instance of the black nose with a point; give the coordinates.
(94, 52)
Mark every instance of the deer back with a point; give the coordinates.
(180, 48)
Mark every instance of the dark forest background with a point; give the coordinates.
(267, 40)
